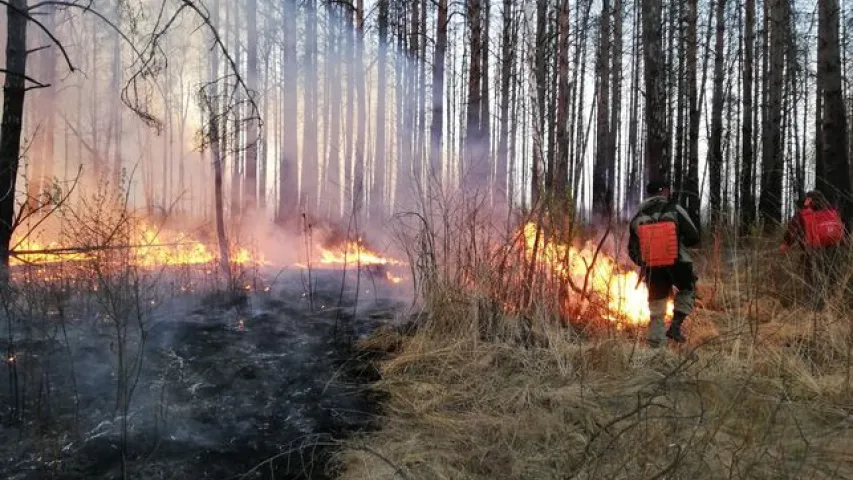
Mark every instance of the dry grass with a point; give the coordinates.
(762, 390)
(607, 409)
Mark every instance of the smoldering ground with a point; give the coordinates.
(223, 385)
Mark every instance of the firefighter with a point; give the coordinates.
(819, 232)
(660, 233)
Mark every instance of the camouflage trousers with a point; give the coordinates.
(660, 282)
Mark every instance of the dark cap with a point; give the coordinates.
(656, 186)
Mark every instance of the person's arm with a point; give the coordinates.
(634, 243)
(687, 230)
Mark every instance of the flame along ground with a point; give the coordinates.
(149, 247)
(625, 296)
(351, 254)
(153, 247)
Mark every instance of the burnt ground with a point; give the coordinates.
(224, 385)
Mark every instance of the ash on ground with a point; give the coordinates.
(224, 385)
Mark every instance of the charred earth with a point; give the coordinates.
(260, 385)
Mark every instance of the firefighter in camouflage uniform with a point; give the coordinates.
(660, 233)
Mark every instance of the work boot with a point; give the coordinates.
(674, 331)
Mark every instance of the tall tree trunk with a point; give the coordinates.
(656, 165)
(420, 157)
(747, 201)
(402, 95)
(216, 141)
(437, 126)
(691, 184)
(615, 106)
(14, 90)
(507, 63)
(485, 114)
(561, 172)
(310, 140)
(715, 148)
(678, 157)
(360, 137)
(250, 181)
(43, 164)
(770, 204)
(835, 183)
(235, 31)
(333, 142)
(349, 132)
(603, 161)
(634, 181)
(377, 191)
(475, 171)
(288, 185)
(541, 76)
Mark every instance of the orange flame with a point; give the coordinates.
(353, 253)
(625, 296)
(150, 247)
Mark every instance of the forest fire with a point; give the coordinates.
(352, 253)
(149, 247)
(625, 297)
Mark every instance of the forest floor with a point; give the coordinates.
(261, 386)
(761, 390)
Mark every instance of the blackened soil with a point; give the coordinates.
(262, 388)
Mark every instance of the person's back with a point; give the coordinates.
(660, 234)
(818, 230)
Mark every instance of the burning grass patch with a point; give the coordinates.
(519, 368)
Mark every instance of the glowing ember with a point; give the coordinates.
(625, 297)
(392, 278)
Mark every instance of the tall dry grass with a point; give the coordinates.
(500, 380)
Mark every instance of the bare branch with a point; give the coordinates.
(25, 77)
(44, 29)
